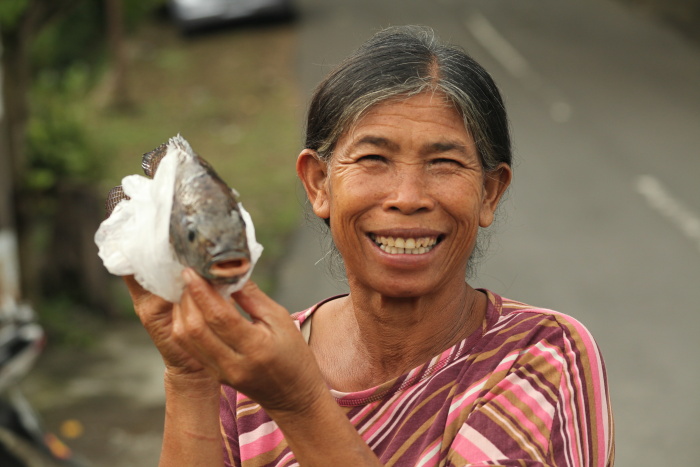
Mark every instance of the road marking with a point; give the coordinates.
(662, 201)
(517, 65)
(499, 47)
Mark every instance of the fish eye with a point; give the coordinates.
(191, 235)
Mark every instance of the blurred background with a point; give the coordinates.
(602, 222)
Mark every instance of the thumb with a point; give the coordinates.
(257, 303)
(139, 294)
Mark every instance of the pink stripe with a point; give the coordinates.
(591, 350)
(475, 447)
(397, 416)
(432, 455)
(468, 450)
(466, 399)
(388, 412)
(517, 413)
(260, 444)
(570, 420)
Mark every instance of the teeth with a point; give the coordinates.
(407, 246)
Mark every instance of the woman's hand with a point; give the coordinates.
(156, 315)
(266, 358)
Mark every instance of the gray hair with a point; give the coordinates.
(404, 61)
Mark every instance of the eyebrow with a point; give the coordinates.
(444, 146)
(377, 141)
(431, 148)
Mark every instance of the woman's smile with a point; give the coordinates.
(404, 245)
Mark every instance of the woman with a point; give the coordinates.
(407, 156)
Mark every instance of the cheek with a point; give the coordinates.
(353, 190)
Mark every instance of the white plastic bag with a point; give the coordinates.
(135, 238)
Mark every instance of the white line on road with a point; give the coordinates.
(517, 65)
(497, 45)
(667, 205)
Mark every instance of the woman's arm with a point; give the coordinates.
(268, 360)
(191, 434)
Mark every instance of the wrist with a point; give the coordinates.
(316, 402)
(200, 385)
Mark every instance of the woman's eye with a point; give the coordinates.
(446, 161)
(371, 158)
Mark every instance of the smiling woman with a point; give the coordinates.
(407, 157)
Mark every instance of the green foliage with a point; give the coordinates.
(10, 12)
(67, 59)
(136, 11)
(77, 36)
(58, 147)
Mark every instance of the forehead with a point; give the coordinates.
(428, 115)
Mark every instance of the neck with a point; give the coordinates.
(390, 336)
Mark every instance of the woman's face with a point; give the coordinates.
(405, 193)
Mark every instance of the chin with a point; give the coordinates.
(402, 291)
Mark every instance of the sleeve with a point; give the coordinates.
(545, 404)
(229, 429)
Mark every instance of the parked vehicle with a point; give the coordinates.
(192, 15)
(23, 440)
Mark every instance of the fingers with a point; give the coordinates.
(215, 309)
(212, 320)
(211, 330)
(258, 358)
(258, 304)
(135, 289)
(197, 339)
(139, 295)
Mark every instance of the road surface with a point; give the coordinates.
(603, 219)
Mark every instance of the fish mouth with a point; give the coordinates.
(228, 269)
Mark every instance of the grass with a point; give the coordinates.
(233, 94)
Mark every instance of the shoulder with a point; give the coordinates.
(520, 333)
(304, 315)
(513, 317)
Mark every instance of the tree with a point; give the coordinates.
(115, 31)
(9, 273)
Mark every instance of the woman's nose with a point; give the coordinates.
(408, 192)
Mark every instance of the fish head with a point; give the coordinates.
(213, 244)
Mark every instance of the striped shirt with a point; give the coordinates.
(529, 389)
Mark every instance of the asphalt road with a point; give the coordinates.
(603, 219)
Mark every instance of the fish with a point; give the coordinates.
(207, 230)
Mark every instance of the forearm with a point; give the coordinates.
(191, 434)
(322, 435)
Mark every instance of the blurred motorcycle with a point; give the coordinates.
(23, 440)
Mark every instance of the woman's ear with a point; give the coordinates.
(495, 184)
(313, 173)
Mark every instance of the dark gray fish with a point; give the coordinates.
(207, 231)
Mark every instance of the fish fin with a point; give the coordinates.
(151, 160)
(114, 197)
